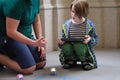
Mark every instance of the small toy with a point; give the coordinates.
(53, 71)
(19, 77)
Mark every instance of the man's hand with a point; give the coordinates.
(41, 42)
(43, 52)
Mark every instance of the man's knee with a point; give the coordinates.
(29, 70)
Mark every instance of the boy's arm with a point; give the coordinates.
(62, 36)
(94, 36)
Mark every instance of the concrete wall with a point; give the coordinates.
(104, 13)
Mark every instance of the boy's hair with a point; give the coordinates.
(81, 8)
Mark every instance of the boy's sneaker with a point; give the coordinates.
(72, 63)
(95, 65)
(87, 65)
(67, 66)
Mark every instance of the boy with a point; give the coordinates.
(78, 49)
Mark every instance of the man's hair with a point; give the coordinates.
(81, 8)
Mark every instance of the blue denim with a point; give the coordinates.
(25, 55)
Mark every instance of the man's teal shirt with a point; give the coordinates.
(23, 10)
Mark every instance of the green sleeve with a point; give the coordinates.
(13, 8)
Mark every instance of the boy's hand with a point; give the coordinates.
(60, 41)
(87, 39)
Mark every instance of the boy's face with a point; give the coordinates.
(73, 15)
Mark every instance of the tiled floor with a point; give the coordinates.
(108, 61)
